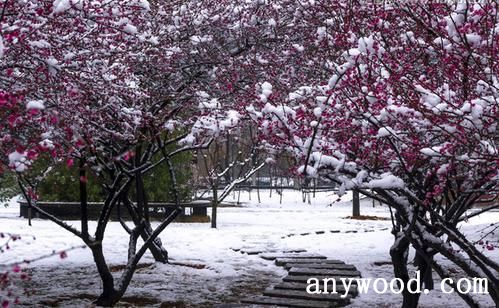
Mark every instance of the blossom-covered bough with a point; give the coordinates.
(105, 86)
(408, 117)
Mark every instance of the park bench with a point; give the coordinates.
(194, 211)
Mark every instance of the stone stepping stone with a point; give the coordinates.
(304, 279)
(287, 302)
(293, 250)
(334, 266)
(232, 306)
(302, 266)
(273, 256)
(312, 272)
(295, 294)
(261, 250)
(340, 289)
(284, 261)
(252, 251)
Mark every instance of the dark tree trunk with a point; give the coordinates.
(227, 176)
(109, 295)
(399, 254)
(214, 207)
(83, 199)
(425, 270)
(156, 248)
(356, 204)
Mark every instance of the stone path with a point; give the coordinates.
(335, 231)
(301, 266)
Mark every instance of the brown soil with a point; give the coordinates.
(367, 217)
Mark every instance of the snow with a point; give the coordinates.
(386, 181)
(365, 45)
(130, 29)
(229, 275)
(196, 39)
(473, 39)
(231, 120)
(18, 161)
(61, 6)
(212, 104)
(385, 132)
(269, 160)
(40, 44)
(298, 47)
(317, 112)
(2, 48)
(433, 151)
(489, 147)
(307, 170)
(52, 64)
(153, 40)
(47, 144)
(144, 4)
(266, 91)
(36, 104)
(211, 125)
(428, 98)
(321, 32)
(301, 93)
(279, 111)
(202, 94)
(443, 169)
(261, 60)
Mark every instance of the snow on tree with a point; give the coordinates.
(407, 115)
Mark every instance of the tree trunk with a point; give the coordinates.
(399, 253)
(227, 176)
(109, 295)
(356, 204)
(425, 270)
(83, 199)
(156, 248)
(214, 207)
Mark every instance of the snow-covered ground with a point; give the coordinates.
(229, 275)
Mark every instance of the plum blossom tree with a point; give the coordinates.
(56, 56)
(105, 84)
(408, 116)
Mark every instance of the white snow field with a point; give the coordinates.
(229, 275)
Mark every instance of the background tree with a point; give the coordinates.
(223, 168)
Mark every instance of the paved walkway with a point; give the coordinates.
(301, 266)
